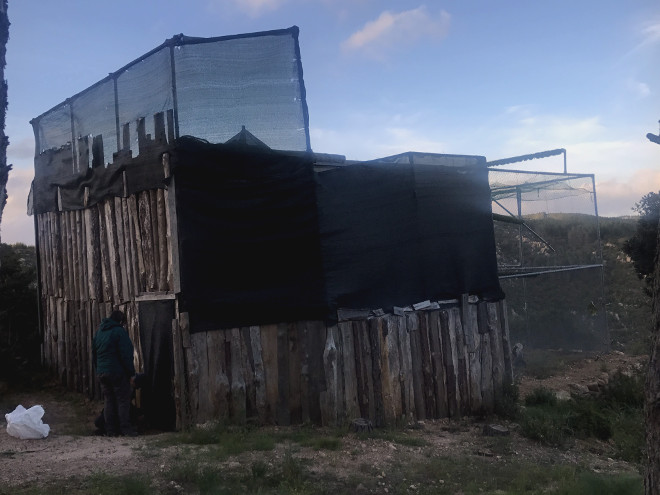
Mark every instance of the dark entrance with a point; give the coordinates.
(155, 320)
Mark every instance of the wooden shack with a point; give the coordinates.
(272, 286)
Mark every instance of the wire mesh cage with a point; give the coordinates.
(550, 258)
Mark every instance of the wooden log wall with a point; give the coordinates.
(91, 262)
(390, 369)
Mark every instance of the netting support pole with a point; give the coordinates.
(602, 270)
(520, 250)
(175, 103)
(114, 80)
(74, 158)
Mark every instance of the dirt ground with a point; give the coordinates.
(72, 450)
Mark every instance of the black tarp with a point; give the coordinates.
(265, 239)
(397, 234)
(248, 236)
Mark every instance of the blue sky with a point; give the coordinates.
(488, 78)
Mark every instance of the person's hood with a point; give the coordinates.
(108, 324)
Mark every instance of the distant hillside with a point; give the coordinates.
(565, 309)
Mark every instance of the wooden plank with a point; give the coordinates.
(147, 239)
(437, 346)
(153, 210)
(316, 334)
(295, 378)
(61, 341)
(122, 243)
(106, 278)
(269, 353)
(163, 251)
(506, 342)
(179, 377)
(496, 349)
(405, 369)
(66, 273)
(329, 397)
(136, 235)
(93, 253)
(113, 258)
(248, 373)
(259, 374)
(238, 397)
(427, 365)
(70, 257)
(129, 250)
(472, 341)
(487, 392)
(374, 326)
(448, 331)
(172, 230)
(283, 373)
(416, 362)
(302, 334)
(391, 349)
(198, 373)
(363, 366)
(351, 406)
(218, 392)
(462, 377)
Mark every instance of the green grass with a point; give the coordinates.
(616, 415)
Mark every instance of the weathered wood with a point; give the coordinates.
(269, 353)
(295, 379)
(179, 387)
(487, 392)
(198, 372)
(66, 267)
(106, 278)
(111, 243)
(506, 342)
(153, 216)
(247, 365)
(172, 229)
(301, 332)
(238, 399)
(129, 251)
(163, 254)
(329, 397)
(61, 341)
(405, 366)
(259, 373)
(363, 366)
(352, 408)
(419, 397)
(218, 372)
(316, 334)
(462, 377)
(192, 366)
(496, 350)
(448, 328)
(93, 254)
(440, 386)
(122, 257)
(136, 233)
(374, 327)
(472, 341)
(147, 239)
(391, 349)
(283, 372)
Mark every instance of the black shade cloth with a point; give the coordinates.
(264, 239)
(394, 235)
(155, 321)
(248, 236)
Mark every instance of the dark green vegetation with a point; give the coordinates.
(20, 342)
(615, 415)
(642, 246)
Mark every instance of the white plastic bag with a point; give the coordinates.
(26, 424)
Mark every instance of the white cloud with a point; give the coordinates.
(617, 197)
(253, 8)
(396, 29)
(639, 89)
(650, 33)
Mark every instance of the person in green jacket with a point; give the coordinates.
(112, 351)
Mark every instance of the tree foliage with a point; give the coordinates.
(19, 328)
(643, 246)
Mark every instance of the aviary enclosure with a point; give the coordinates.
(262, 281)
